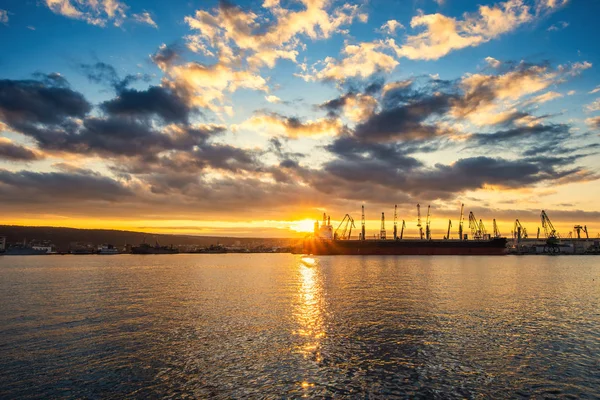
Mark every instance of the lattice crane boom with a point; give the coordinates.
(419, 221)
(427, 224)
(460, 222)
(395, 221)
(549, 230)
(344, 229)
(474, 226)
(496, 230)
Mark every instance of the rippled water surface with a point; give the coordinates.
(273, 326)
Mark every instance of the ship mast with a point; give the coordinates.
(382, 232)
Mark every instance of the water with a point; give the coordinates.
(275, 326)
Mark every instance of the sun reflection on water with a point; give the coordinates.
(309, 310)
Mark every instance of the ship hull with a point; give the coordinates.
(496, 246)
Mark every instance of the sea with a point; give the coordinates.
(273, 326)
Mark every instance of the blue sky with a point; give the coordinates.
(246, 117)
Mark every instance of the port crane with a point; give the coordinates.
(402, 229)
(460, 223)
(419, 221)
(345, 232)
(449, 226)
(496, 230)
(362, 228)
(382, 233)
(519, 230)
(427, 224)
(482, 229)
(549, 230)
(578, 229)
(474, 226)
(395, 221)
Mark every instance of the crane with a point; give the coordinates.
(474, 226)
(348, 224)
(382, 233)
(460, 223)
(449, 226)
(578, 229)
(362, 228)
(519, 230)
(482, 229)
(496, 230)
(402, 229)
(549, 230)
(395, 221)
(427, 224)
(419, 221)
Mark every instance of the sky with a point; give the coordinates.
(253, 118)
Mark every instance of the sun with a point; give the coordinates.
(305, 225)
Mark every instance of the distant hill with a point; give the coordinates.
(63, 237)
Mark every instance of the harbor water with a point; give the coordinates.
(286, 326)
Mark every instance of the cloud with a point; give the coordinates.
(4, 17)
(273, 99)
(291, 127)
(49, 100)
(523, 137)
(543, 98)
(593, 122)
(491, 98)
(571, 92)
(52, 187)
(232, 31)
(362, 60)
(403, 177)
(103, 73)
(155, 100)
(492, 62)
(14, 152)
(595, 90)
(204, 85)
(406, 120)
(593, 106)
(94, 12)
(390, 27)
(559, 26)
(145, 18)
(442, 34)
(354, 106)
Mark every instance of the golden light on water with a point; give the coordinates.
(309, 311)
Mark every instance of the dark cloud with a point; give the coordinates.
(154, 100)
(547, 135)
(46, 101)
(51, 187)
(14, 152)
(104, 73)
(119, 136)
(167, 55)
(405, 121)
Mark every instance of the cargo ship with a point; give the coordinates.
(326, 241)
(433, 247)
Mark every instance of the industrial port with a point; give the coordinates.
(477, 241)
(466, 236)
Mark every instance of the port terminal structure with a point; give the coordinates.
(329, 241)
